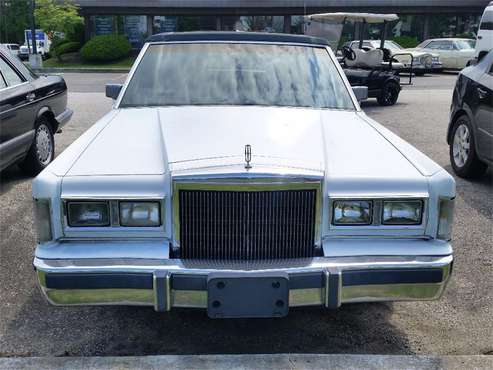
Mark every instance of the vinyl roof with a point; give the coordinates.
(237, 36)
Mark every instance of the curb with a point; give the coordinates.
(82, 70)
(229, 362)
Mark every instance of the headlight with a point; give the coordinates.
(88, 214)
(42, 218)
(351, 212)
(140, 214)
(445, 219)
(402, 212)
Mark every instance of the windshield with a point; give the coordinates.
(391, 45)
(465, 44)
(237, 74)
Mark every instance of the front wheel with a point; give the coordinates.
(463, 157)
(42, 149)
(389, 94)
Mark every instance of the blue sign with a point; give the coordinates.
(40, 35)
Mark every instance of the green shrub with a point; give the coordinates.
(406, 41)
(105, 48)
(67, 47)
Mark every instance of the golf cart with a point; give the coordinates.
(376, 68)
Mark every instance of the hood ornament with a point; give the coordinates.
(248, 156)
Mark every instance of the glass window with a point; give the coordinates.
(10, 76)
(163, 23)
(261, 24)
(237, 74)
(465, 44)
(102, 24)
(2, 82)
(135, 29)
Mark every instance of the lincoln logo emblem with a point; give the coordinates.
(248, 156)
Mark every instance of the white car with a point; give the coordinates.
(454, 53)
(423, 61)
(13, 48)
(237, 172)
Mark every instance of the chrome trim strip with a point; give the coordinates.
(245, 184)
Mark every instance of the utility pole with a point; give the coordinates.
(33, 28)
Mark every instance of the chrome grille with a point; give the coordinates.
(247, 225)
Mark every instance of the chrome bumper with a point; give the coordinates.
(167, 283)
(64, 117)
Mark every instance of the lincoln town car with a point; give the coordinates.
(236, 172)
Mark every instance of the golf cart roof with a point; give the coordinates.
(355, 17)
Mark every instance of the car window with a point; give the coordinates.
(465, 44)
(8, 73)
(432, 45)
(237, 74)
(491, 69)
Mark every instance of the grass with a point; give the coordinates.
(55, 63)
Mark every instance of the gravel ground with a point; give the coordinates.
(460, 323)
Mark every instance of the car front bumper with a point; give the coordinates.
(167, 283)
(64, 117)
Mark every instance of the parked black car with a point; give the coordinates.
(470, 132)
(32, 109)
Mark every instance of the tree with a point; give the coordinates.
(14, 19)
(57, 16)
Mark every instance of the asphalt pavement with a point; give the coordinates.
(460, 323)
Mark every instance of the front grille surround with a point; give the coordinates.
(240, 192)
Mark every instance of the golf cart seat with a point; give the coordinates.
(366, 59)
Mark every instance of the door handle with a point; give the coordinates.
(30, 96)
(482, 93)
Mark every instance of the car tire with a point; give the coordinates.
(42, 150)
(419, 73)
(389, 94)
(462, 150)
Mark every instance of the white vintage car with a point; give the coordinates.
(236, 172)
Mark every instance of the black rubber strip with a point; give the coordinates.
(99, 281)
(391, 276)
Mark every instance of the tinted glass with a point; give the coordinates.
(237, 74)
(10, 76)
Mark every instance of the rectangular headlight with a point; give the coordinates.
(405, 212)
(445, 219)
(86, 214)
(351, 212)
(42, 219)
(141, 213)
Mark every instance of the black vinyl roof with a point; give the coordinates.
(237, 36)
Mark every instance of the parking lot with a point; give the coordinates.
(460, 323)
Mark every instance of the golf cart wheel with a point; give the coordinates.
(389, 94)
(463, 157)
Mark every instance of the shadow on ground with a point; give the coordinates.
(73, 331)
(10, 177)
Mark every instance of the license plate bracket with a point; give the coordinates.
(236, 295)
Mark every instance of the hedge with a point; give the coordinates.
(67, 47)
(105, 48)
(406, 41)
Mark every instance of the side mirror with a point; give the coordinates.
(113, 90)
(361, 92)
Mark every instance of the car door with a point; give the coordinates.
(484, 114)
(442, 48)
(16, 113)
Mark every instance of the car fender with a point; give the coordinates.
(459, 111)
(47, 111)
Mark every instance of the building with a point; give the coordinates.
(139, 18)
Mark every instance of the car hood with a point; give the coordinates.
(202, 140)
